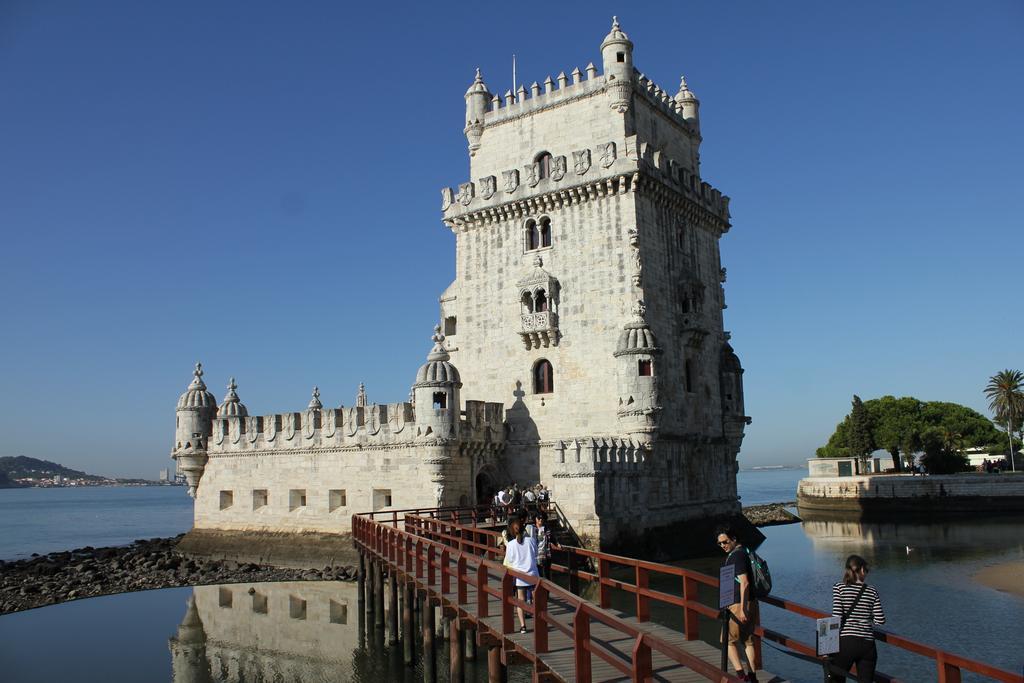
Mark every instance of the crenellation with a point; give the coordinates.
(638, 156)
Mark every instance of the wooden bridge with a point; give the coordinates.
(449, 558)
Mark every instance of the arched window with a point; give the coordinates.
(533, 236)
(527, 302)
(440, 400)
(545, 232)
(540, 301)
(544, 159)
(543, 377)
(645, 368)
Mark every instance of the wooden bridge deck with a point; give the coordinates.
(447, 555)
(560, 658)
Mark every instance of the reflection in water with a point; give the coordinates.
(297, 632)
(961, 539)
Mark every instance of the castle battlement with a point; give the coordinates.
(607, 168)
(671, 106)
(555, 93)
(391, 424)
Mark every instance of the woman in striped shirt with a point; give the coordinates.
(859, 607)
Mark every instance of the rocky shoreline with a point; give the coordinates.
(145, 564)
(771, 514)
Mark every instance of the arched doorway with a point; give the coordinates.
(486, 487)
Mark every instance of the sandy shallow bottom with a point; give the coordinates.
(1003, 577)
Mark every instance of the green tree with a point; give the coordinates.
(943, 452)
(1005, 393)
(899, 425)
(859, 439)
(896, 427)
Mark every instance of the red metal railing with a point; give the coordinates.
(445, 527)
(424, 554)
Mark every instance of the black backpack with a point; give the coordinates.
(761, 577)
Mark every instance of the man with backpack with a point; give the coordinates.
(743, 612)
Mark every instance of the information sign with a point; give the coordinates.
(828, 635)
(726, 581)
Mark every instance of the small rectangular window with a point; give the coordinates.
(339, 612)
(646, 368)
(259, 603)
(688, 376)
(227, 498)
(336, 498)
(259, 498)
(381, 499)
(620, 57)
(224, 597)
(296, 607)
(450, 326)
(440, 400)
(296, 499)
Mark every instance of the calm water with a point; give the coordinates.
(928, 595)
(308, 632)
(44, 520)
(757, 487)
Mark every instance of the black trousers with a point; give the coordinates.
(859, 651)
(544, 568)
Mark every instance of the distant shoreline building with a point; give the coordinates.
(584, 328)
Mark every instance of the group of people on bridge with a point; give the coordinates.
(526, 501)
(855, 603)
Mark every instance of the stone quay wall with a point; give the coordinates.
(944, 495)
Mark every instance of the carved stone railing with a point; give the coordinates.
(539, 329)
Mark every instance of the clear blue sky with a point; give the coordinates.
(256, 185)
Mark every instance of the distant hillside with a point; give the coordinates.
(22, 466)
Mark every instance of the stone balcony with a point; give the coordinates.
(539, 329)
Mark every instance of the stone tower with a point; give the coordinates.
(588, 296)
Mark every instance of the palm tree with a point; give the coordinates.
(1005, 393)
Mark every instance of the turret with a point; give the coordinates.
(730, 374)
(188, 649)
(477, 99)
(436, 393)
(689, 105)
(193, 426)
(617, 53)
(637, 372)
(232, 406)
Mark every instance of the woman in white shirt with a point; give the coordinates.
(521, 555)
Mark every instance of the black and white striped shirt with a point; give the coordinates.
(867, 612)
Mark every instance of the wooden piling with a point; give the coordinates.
(394, 610)
(457, 669)
(408, 635)
(496, 672)
(429, 653)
